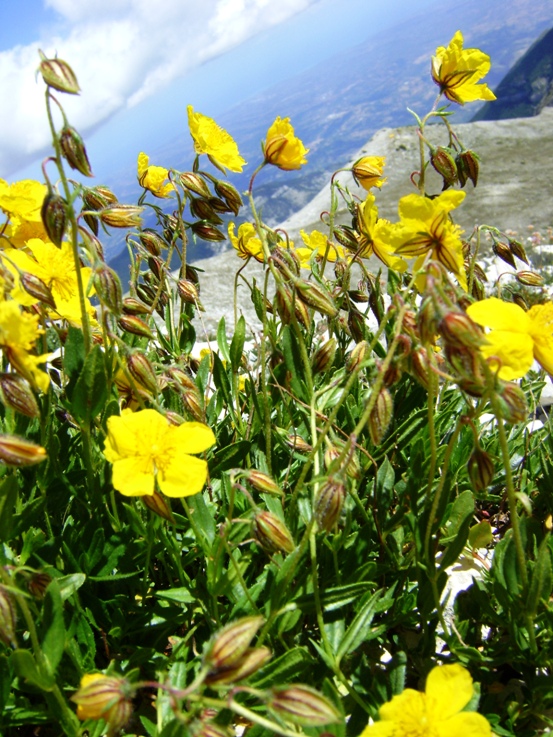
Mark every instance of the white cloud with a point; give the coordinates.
(121, 51)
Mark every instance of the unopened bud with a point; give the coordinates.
(143, 372)
(358, 296)
(367, 171)
(230, 194)
(59, 75)
(108, 288)
(132, 306)
(207, 232)
(315, 297)
(357, 356)
(54, 217)
(356, 324)
(427, 320)
(159, 505)
(209, 729)
(303, 705)
(381, 415)
(286, 261)
(37, 289)
(136, 326)
(74, 151)
(519, 300)
(195, 183)
(152, 242)
(517, 249)
(193, 403)
(530, 279)
(420, 366)
(230, 643)
(104, 697)
(38, 583)
(324, 356)
(16, 451)
(251, 661)
(7, 618)
(458, 330)
(350, 463)
(262, 482)
(347, 237)
(328, 504)
(443, 162)
(512, 403)
(188, 292)
(17, 394)
(503, 251)
(467, 167)
(296, 442)
(480, 469)
(96, 198)
(271, 533)
(202, 210)
(122, 216)
(92, 244)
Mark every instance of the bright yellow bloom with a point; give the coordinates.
(144, 448)
(367, 172)
(22, 203)
(426, 228)
(18, 333)
(247, 242)
(153, 178)
(318, 242)
(376, 235)
(456, 71)
(517, 337)
(211, 139)
(283, 148)
(435, 713)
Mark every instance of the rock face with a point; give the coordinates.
(528, 87)
(515, 190)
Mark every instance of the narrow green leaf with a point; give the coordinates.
(8, 498)
(181, 595)
(25, 666)
(53, 627)
(540, 581)
(222, 341)
(237, 343)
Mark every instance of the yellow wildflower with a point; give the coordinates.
(211, 139)
(517, 337)
(283, 148)
(317, 242)
(18, 333)
(22, 203)
(436, 713)
(456, 71)
(426, 228)
(246, 242)
(153, 178)
(144, 448)
(375, 235)
(367, 171)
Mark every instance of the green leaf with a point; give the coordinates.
(181, 595)
(25, 667)
(359, 631)
(69, 584)
(74, 352)
(454, 550)
(540, 581)
(53, 627)
(237, 344)
(462, 507)
(202, 516)
(288, 667)
(222, 341)
(90, 391)
(8, 498)
(292, 359)
(229, 456)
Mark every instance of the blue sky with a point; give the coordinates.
(139, 67)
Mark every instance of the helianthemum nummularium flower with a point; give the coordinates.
(246, 242)
(145, 449)
(22, 202)
(317, 242)
(516, 337)
(153, 178)
(375, 235)
(209, 138)
(282, 147)
(367, 171)
(457, 72)
(438, 712)
(19, 332)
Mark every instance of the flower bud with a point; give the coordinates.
(271, 533)
(193, 402)
(519, 300)
(324, 356)
(96, 198)
(512, 403)
(207, 232)
(54, 217)
(92, 243)
(296, 442)
(17, 394)
(7, 618)
(357, 356)
(143, 372)
(202, 210)
(136, 326)
(230, 194)
(517, 249)
(303, 705)
(356, 324)
(358, 296)
(59, 75)
(467, 167)
(420, 366)
(209, 729)
(458, 330)
(480, 469)
(315, 297)
(74, 151)
(530, 279)
(262, 482)
(188, 292)
(38, 583)
(194, 182)
(381, 415)
(229, 644)
(159, 505)
(104, 697)
(367, 171)
(152, 242)
(443, 162)
(108, 288)
(37, 288)
(347, 237)
(286, 261)
(503, 251)
(121, 216)
(251, 661)
(350, 463)
(328, 504)
(132, 306)
(427, 320)
(16, 451)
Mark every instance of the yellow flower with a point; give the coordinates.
(144, 448)
(376, 235)
(211, 139)
(456, 71)
(153, 178)
(247, 242)
(18, 333)
(435, 713)
(517, 337)
(283, 148)
(426, 228)
(22, 203)
(367, 172)
(318, 242)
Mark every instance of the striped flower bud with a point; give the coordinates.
(96, 198)
(209, 728)
(512, 402)
(38, 583)
(230, 194)
(286, 261)
(152, 241)
(251, 661)
(443, 162)
(54, 217)
(37, 289)
(357, 356)
(481, 469)
(202, 210)
(92, 244)
(143, 372)
(104, 697)
(74, 151)
(530, 279)
(467, 163)
(194, 182)
(188, 292)
(315, 297)
(229, 644)
(159, 505)
(16, 451)
(296, 442)
(122, 216)
(192, 400)
(132, 306)
(503, 251)
(350, 463)
(517, 249)
(271, 533)
(459, 331)
(207, 232)
(108, 289)
(420, 366)
(347, 237)
(303, 705)
(59, 75)
(356, 295)
(7, 618)
(262, 482)
(136, 326)
(17, 394)
(381, 415)
(356, 324)
(328, 504)
(324, 356)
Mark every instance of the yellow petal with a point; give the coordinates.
(514, 350)
(133, 476)
(193, 437)
(448, 689)
(407, 709)
(496, 314)
(465, 724)
(184, 476)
